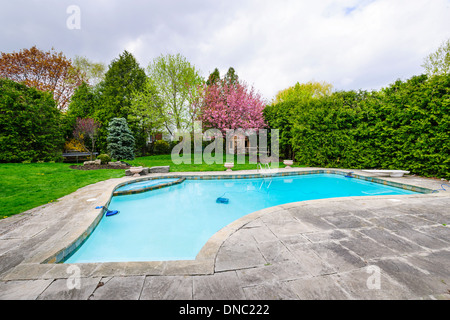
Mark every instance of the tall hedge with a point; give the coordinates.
(29, 124)
(404, 126)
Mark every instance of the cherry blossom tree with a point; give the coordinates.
(224, 106)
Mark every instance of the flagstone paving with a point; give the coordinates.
(384, 247)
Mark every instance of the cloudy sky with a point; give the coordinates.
(352, 44)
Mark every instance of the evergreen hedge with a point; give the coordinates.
(29, 124)
(404, 126)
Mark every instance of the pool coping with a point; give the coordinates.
(47, 268)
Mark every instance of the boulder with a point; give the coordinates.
(95, 162)
(117, 164)
(164, 169)
(144, 172)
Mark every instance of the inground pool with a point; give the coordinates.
(175, 222)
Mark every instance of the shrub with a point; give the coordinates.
(120, 140)
(161, 147)
(104, 158)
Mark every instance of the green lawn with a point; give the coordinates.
(26, 186)
(166, 160)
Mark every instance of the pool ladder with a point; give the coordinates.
(265, 171)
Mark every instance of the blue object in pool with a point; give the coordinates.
(111, 213)
(222, 200)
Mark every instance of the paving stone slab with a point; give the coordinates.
(68, 289)
(119, 288)
(435, 263)
(439, 231)
(370, 283)
(326, 236)
(365, 247)
(261, 233)
(420, 283)
(310, 261)
(391, 223)
(414, 221)
(220, 286)
(347, 221)
(392, 241)
(167, 288)
(422, 239)
(338, 257)
(318, 288)
(239, 252)
(22, 290)
(270, 291)
(316, 223)
(275, 251)
(283, 271)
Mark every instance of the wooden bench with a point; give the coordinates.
(76, 154)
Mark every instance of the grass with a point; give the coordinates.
(166, 160)
(26, 186)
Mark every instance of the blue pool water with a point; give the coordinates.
(174, 223)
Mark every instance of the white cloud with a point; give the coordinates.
(353, 44)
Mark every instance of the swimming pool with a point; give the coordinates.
(175, 222)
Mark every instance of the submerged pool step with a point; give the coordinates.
(145, 185)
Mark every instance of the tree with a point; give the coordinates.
(304, 91)
(123, 78)
(94, 71)
(438, 63)
(45, 71)
(231, 76)
(86, 128)
(82, 104)
(231, 106)
(120, 140)
(29, 124)
(146, 113)
(176, 81)
(213, 77)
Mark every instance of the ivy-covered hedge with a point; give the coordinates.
(404, 126)
(29, 124)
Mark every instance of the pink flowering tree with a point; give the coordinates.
(227, 105)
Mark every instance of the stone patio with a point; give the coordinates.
(382, 247)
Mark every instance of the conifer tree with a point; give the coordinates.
(120, 140)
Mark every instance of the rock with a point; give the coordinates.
(144, 172)
(117, 164)
(95, 162)
(164, 169)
